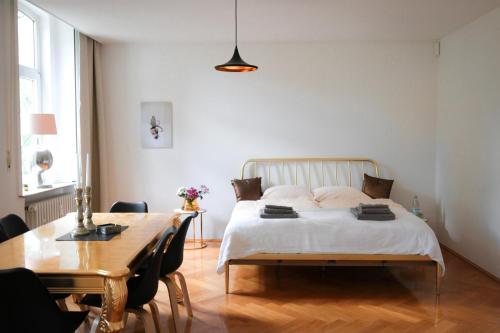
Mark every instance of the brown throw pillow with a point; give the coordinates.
(247, 189)
(377, 188)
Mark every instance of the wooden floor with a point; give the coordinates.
(343, 299)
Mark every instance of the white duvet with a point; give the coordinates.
(326, 227)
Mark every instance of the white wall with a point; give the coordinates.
(307, 99)
(468, 138)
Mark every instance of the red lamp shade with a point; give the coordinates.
(43, 124)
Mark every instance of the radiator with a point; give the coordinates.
(48, 210)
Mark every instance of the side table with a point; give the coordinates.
(196, 243)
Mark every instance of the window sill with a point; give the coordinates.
(39, 194)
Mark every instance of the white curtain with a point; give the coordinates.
(91, 115)
(10, 170)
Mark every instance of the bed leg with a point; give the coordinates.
(226, 276)
(438, 278)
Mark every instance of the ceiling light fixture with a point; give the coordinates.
(236, 64)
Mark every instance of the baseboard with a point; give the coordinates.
(476, 266)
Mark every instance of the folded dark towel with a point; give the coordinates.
(373, 205)
(285, 215)
(373, 209)
(277, 211)
(372, 217)
(279, 207)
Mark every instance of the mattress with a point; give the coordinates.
(326, 227)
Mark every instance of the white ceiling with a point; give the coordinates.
(266, 20)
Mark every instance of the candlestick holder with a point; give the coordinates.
(79, 229)
(88, 223)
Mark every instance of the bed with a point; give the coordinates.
(326, 234)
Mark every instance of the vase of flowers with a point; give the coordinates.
(191, 196)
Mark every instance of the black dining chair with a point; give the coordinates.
(3, 236)
(27, 306)
(12, 226)
(171, 262)
(129, 207)
(142, 288)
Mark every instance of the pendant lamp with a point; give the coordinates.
(236, 64)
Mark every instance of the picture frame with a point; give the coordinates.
(156, 125)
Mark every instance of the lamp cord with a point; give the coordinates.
(236, 22)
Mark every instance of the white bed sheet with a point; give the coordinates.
(326, 227)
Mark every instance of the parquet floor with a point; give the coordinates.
(343, 299)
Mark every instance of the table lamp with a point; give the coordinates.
(42, 124)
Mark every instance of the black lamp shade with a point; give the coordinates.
(236, 64)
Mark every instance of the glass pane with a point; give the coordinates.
(27, 94)
(27, 97)
(26, 40)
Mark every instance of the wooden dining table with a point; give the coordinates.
(93, 267)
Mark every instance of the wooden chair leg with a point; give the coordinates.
(125, 318)
(180, 296)
(62, 304)
(226, 276)
(439, 274)
(187, 302)
(76, 299)
(146, 319)
(156, 315)
(172, 294)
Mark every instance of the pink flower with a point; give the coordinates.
(192, 193)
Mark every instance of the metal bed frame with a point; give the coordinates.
(322, 259)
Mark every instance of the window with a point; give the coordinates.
(27, 41)
(46, 85)
(29, 80)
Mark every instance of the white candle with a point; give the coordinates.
(78, 171)
(88, 177)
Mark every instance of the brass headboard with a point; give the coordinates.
(305, 167)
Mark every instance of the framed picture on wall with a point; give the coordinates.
(156, 124)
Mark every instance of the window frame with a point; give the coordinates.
(33, 73)
(45, 83)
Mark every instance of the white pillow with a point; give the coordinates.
(287, 192)
(302, 203)
(338, 192)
